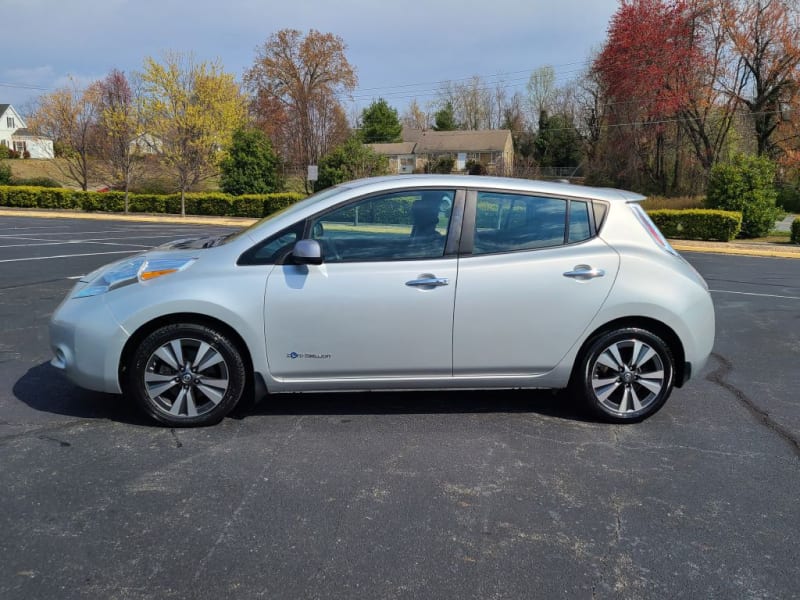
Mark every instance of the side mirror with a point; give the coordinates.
(307, 252)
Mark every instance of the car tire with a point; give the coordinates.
(186, 375)
(624, 375)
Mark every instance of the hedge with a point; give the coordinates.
(698, 224)
(796, 231)
(214, 203)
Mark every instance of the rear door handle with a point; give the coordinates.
(584, 272)
(429, 282)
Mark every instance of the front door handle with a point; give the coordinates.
(584, 272)
(428, 281)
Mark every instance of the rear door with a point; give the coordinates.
(532, 279)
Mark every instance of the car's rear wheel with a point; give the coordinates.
(625, 375)
(186, 375)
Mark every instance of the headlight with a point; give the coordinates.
(131, 271)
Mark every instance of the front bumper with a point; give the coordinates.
(87, 343)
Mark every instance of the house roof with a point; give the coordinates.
(24, 132)
(393, 148)
(409, 134)
(3, 108)
(488, 140)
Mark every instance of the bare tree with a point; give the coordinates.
(119, 125)
(69, 116)
(765, 38)
(305, 75)
(415, 118)
(541, 91)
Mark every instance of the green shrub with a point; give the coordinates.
(698, 224)
(156, 185)
(789, 198)
(5, 173)
(212, 204)
(443, 164)
(796, 231)
(747, 185)
(251, 166)
(675, 203)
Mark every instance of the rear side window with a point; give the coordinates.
(511, 222)
(580, 227)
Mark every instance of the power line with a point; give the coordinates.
(24, 86)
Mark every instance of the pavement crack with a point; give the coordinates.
(246, 496)
(43, 430)
(718, 377)
(61, 443)
(178, 442)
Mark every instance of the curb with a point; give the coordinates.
(759, 249)
(133, 217)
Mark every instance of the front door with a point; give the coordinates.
(381, 304)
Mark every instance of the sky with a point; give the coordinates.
(400, 50)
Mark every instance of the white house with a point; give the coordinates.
(15, 135)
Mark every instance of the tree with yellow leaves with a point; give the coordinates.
(191, 110)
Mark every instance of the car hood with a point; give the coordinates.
(197, 243)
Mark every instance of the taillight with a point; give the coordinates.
(651, 228)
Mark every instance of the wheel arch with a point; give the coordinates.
(663, 331)
(187, 317)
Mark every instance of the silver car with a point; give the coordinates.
(399, 283)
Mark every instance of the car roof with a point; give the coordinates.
(550, 188)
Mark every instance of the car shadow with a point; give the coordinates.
(44, 388)
(556, 404)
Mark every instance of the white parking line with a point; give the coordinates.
(70, 233)
(755, 294)
(65, 242)
(6, 260)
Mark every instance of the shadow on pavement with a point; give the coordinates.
(543, 402)
(45, 389)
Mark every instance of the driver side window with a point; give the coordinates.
(396, 226)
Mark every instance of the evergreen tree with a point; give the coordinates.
(445, 118)
(351, 160)
(380, 123)
(251, 167)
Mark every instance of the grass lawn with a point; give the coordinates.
(26, 168)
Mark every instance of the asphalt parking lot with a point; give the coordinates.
(426, 495)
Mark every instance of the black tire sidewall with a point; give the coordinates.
(582, 384)
(218, 341)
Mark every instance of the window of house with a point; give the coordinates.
(395, 226)
(10, 123)
(19, 146)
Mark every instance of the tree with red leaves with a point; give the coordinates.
(645, 72)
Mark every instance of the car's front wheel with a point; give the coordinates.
(186, 375)
(625, 375)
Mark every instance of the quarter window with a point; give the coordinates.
(579, 224)
(510, 222)
(397, 226)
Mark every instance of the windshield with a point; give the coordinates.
(297, 206)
